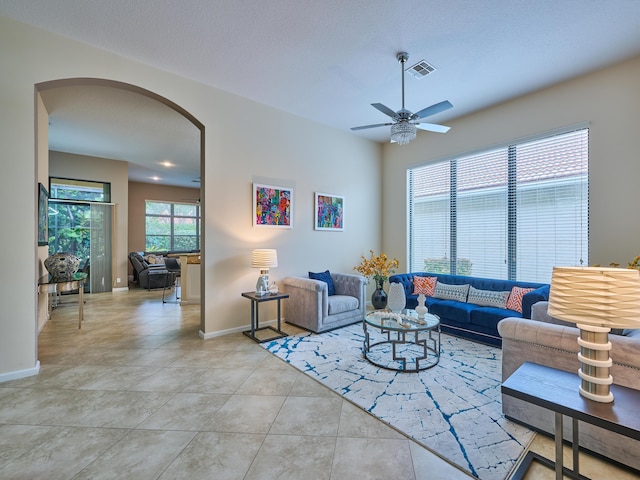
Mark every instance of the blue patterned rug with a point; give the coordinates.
(453, 409)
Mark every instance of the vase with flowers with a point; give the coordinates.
(378, 267)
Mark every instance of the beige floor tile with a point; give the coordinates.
(291, 457)
(141, 454)
(218, 380)
(246, 414)
(62, 454)
(380, 458)
(213, 455)
(185, 411)
(264, 381)
(308, 416)
(355, 422)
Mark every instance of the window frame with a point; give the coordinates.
(172, 216)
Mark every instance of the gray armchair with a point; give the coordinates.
(311, 307)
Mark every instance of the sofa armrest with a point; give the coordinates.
(540, 294)
(307, 297)
(557, 346)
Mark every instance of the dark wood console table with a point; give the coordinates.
(557, 390)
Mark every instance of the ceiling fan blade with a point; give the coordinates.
(432, 110)
(371, 126)
(433, 127)
(386, 110)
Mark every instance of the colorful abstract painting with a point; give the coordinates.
(272, 206)
(329, 212)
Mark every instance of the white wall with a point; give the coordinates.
(609, 99)
(243, 140)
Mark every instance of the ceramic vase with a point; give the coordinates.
(62, 265)
(421, 308)
(397, 299)
(379, 296)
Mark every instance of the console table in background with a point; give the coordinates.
(51, 286)
(557, 391)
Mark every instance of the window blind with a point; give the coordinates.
(510, 212)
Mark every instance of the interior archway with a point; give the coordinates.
(151, 98)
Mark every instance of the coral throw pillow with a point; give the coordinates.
(424, 285)
(515, 298)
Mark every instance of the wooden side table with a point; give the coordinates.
(255, 301)
(557, 390)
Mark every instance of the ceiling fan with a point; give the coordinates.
(403, 128)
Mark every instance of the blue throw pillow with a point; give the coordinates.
(326, 278)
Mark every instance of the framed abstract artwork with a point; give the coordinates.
(329, 212)
(272, 206)
(43, 215)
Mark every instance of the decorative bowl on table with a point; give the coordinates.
(62, 266)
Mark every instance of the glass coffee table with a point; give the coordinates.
(401, 341)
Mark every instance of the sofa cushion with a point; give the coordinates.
(451, 292)
(487, 298)
(341, 304)
(425, 285)
(515, 298)
(460, 312)
(326, 278)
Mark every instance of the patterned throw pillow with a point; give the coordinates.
(515, 298)
(451, 292)
(488, 298)
(425, 285)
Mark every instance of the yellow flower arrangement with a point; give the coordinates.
(378, 266)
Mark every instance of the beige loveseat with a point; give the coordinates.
(548, 341)
(311, 307)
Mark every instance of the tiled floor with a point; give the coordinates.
(137, 394)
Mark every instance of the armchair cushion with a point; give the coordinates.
(342, 303)
(326, 278)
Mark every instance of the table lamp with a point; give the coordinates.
(263, 258)
(595, 299)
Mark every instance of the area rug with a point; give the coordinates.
(453, 409)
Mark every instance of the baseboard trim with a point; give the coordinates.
(120, 289)
(220, 333)
(29, 372)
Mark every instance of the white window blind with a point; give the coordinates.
(512, 212)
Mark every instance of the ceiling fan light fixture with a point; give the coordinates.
(403, 132)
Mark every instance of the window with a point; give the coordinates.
(172, 226)
(79, 190)
(512, 212)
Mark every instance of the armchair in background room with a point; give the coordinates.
(150, 275)
(320, 305)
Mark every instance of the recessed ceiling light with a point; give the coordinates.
(155, 178)
(167, 163)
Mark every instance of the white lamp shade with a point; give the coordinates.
(264, 258)
(603, 297)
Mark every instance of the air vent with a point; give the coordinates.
(421, 69)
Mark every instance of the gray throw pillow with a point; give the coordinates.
(488, 298)
(451, 292)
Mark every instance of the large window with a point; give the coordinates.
(172, 226)
(512, 212)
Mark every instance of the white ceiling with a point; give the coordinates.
(329, 60)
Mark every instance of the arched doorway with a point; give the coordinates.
(112, 108)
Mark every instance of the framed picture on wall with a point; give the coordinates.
(272, 206)
(43, 215)
(329, 212)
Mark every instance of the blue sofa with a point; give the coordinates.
(468, 319)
